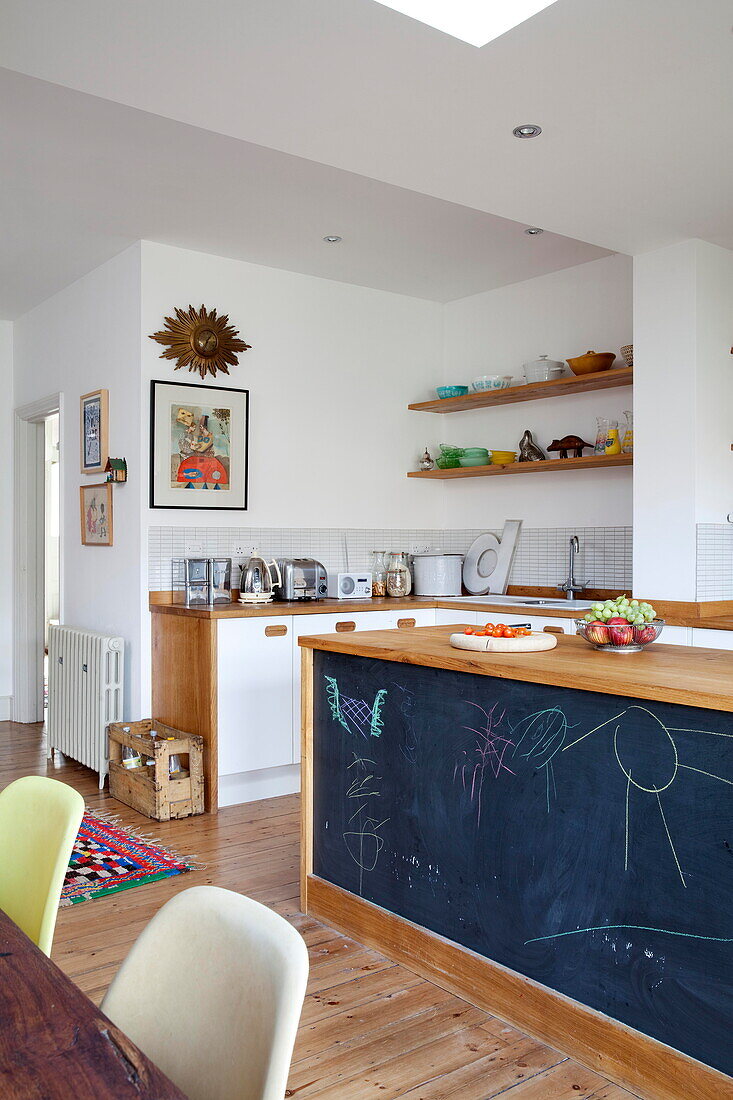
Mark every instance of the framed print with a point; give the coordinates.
(96, 514)
(198, 446)
(94, 430)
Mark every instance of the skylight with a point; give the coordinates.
(474, 21)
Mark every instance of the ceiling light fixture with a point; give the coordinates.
(528, 130)
(476, 23)
(332, 239)
(533, 231)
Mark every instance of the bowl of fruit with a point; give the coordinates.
(620, 626)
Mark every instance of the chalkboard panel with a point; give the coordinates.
(584, 840)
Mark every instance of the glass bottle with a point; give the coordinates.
(627, 444)
(601, 435)
(399, 579)
(613, 443)
(379, 573)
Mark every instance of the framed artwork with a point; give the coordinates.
(96, 514)
(94, 431)
(198, 446)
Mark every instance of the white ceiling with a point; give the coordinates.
(82, 178)
(635, 98)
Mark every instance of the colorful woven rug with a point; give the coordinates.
(107, 858)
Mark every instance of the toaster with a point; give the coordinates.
(301, 579)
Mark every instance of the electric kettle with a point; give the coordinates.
(256, 585)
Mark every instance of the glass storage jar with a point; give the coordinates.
(399, 578)
(627, 443)
(379, 573)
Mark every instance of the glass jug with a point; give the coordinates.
(379, 573)
(601, 435)
(399, 579)
(613, 443)
(627, 443)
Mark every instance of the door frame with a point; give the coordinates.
(28, 556)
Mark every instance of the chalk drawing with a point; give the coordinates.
(489, 752)
(637, 725)
(538, 739)
(355, 715)
(632, 928)
(362, 840)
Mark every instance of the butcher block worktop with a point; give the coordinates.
(665, 673)
(717, 615)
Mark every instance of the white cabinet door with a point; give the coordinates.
(703, 636)
(255, 666)
(447, 616)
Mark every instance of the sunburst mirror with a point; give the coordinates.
(201, 341)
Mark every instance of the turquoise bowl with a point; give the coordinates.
(451, 391)
(474, 460)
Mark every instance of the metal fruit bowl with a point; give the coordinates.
(639, 637)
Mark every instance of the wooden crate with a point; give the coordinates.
(156, 795)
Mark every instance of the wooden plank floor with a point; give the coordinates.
(369, 1028)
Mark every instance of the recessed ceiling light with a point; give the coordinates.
(468, 20)
(528, 130)
(533, 231)
(332, 239)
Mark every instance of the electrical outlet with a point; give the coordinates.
(194, 549)
(238, 551)
(419, 549)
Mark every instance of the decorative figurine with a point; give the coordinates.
(426, 462)
(569, 443)
(528, 449)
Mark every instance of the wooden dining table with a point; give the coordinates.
(55, 1043)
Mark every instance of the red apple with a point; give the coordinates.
(597, 633)
(621, 633)
(644, 634)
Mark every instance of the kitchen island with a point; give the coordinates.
(549, 835)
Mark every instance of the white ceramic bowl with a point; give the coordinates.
(491, 382)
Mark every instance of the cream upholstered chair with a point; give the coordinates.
(212, 992)
(39, 822)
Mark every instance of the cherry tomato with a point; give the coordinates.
(469, 630)
(509, 633)
(501, 626)
(497, 632)
(489, 626)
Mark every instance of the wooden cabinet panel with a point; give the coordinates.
(255, 666)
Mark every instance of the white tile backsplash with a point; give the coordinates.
(541, 559)
(714, 561)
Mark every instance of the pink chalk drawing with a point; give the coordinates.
(489, 752)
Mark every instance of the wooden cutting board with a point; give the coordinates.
(529, 643)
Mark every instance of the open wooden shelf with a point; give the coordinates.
(533, 391)
(550, 465)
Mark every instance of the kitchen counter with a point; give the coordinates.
(543, 834)
(666, 673)
(715, 616)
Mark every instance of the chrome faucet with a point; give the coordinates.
(571, 586)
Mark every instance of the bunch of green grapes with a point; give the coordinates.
(634, 612)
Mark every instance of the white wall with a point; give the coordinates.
(6, 511)
(683, 393)
(562, 314)
(714, 389)
(85, 338)
(331, 371)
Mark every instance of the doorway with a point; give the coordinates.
(38, 550)
(51, 539)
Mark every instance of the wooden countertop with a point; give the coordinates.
(714, 615)
(329, 606)
(665, 673)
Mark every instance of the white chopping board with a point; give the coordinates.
(528, 643)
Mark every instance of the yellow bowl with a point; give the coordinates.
(503, 458)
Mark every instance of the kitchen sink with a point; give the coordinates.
(526, 601)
